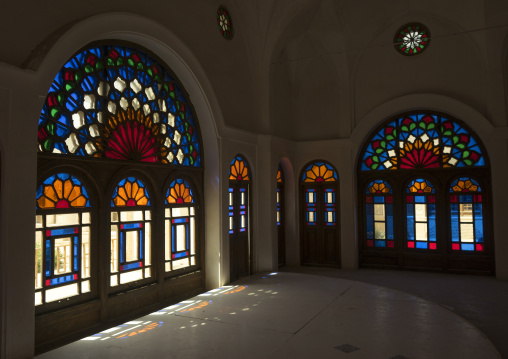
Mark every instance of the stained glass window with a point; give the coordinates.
(466, 215)
(130, 232)
(412, 39)
(280, 183)
(319, 172)
(379, 214)
(422, 140)
(239, 170)
(62, 239)
(224, 23)
(421, 215)
(119, 103)
(180, 226)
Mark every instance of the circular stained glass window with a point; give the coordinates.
(224, 23)
(412, 39)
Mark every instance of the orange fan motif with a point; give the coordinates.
(179, 192)
(62, 191)
(239, 170)
(320, 173)
(130, 192)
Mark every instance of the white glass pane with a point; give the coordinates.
(168, 267)
(114, 248)
(421, 231)
(242, 220)
(114, 216)
(242, 198)
(131, 276)
(466, 212)
(38, 221)
(114, 280)
(63, 255)
(379, 230)
(421, 212)
(85, 252)
(167, 213)
(147, 272)
(131, 246)
(466, 232)
(180, 238)
(59, 220)
(38, 298)
(379, 212)
(148, 243)
(148, 215)
(193, 261)
(128, 216)
(85, 218)
(230, 198)
(180, 212)
(311, 197)
(167, 248)
(329, 197)
(192, 236)
(85, 286)
(230, 223)
(311, 217)
(38, 259)
(61, 292)
(181, 263)
(278, 197)
(192, 211)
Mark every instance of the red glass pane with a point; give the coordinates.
(389, 199)
(368, 199)
(453, 199)
(455, 246)
(432, 245)
(477, 198)
(479, 247)
(431, 199)
(410, 244)
(390, 244)
(370, 243)
(409, 199)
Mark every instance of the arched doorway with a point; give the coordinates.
(320, 238)
(239, 218)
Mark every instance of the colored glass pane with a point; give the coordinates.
(319, 172)
(62, 191)
(420, 185)
(130, 192)
(378, 187)
(421, 140)
(412, 39)
(239, 171)
(280, 175)
(119, 103)
(465, 184)
(179, 192)
(224, 23)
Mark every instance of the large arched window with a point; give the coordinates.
(119, 115)
(239, 218)
(444, 228)
(320, 233)
(62, 239)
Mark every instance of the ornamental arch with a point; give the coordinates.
(415, 177)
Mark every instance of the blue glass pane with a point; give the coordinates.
(431, 212)
(57, 232)
(379, 199)
(131, 266)
(467, 246)
(410, 223)
(370, 221)
(465, 198)
(420, 199)
(75, 253)
(478, 222)
(122, 247)
(48, 258)
(421, 245)
(454, 216)
(132, 225)
(389, 221)
(179, 255)
(141, 245)
(379, 243)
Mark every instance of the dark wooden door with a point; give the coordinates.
(239, 242)
(281, 233)
(320, 244)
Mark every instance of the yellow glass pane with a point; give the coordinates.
(50, 193)
(68, 185)
(119, 202)
(58, 188)
(137, 192)
(142, 202)
(128, 189)
(76, 192)
(79, 202)
(122, 194)
(43, 202)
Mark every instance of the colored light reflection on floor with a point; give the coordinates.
(137, 327)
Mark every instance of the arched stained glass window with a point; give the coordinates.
(422, 140)
(224, 22)
(130, 232)
(62, 239)
(180, 224)
(319, 172)
(379, 214)
(466, 215)
(239, 170)
(421, 214)
(119, 103)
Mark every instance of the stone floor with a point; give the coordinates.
(318, 313)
